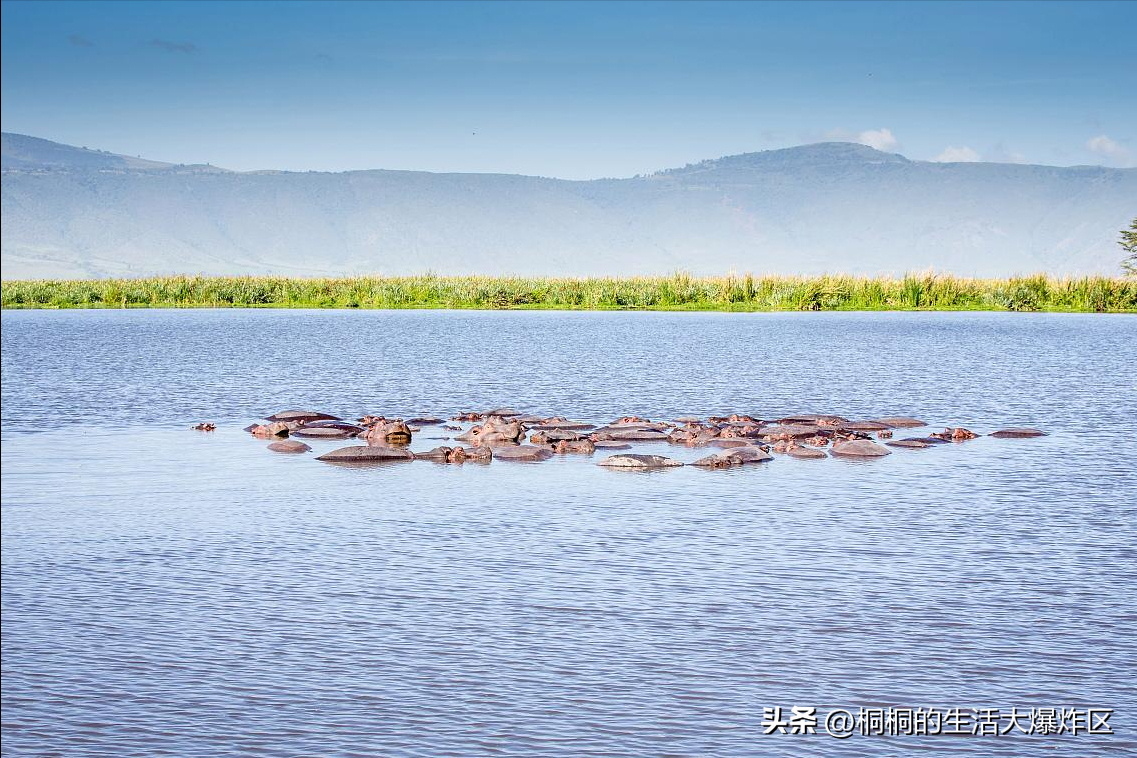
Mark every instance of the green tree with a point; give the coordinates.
(1128, 243)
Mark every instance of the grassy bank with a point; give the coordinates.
(677, 292)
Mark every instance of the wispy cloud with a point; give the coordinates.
(80, 41)
(881, 139)
(1111, 149)
(961, 154)
(174, 47)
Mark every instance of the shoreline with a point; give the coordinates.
(678, 292)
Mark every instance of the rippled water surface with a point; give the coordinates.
(168, 592)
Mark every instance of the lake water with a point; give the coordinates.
(169, 592)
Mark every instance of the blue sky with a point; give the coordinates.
(574, 90)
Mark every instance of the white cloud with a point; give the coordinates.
(1110, 148)
(962, 154)
(881, 139)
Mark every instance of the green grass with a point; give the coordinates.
(928, 291)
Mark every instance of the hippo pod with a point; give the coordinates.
(391, 431)
(495, 430)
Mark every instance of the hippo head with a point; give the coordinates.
(392, 431)
(507, 430)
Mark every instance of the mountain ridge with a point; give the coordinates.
(807, 209)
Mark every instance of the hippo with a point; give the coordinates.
(502, 413)
(717, 460)
(479, 454)
(558, 435)
(860, 449)
(803, 452)
(494, 431)
(740, 430)
(523, 453)
(425, 421)
(302, 417)
(367, 454)
(915, 443)
(956, 434)
(266, 431)
(679, 436)
(584, 447)
(324, 433)
(858, 426)
(467, 417)
(729, 443)
(393, 432)
(438, 455)
(561, 424)
(643, 435)
(813, 419)
(205, 426)
(748, 454)
(900, 422)
(1018, 433)
(788, 432)
(332, 425)
(289, 446)
(610, 445)
(884, 434)
(639, 461)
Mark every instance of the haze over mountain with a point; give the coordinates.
(74, 212)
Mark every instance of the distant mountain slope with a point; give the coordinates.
(23, 152)
(810, 209)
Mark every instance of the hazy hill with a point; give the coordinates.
(828, 207)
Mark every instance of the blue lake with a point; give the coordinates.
(170, 592)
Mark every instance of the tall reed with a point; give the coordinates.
(679, 291)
